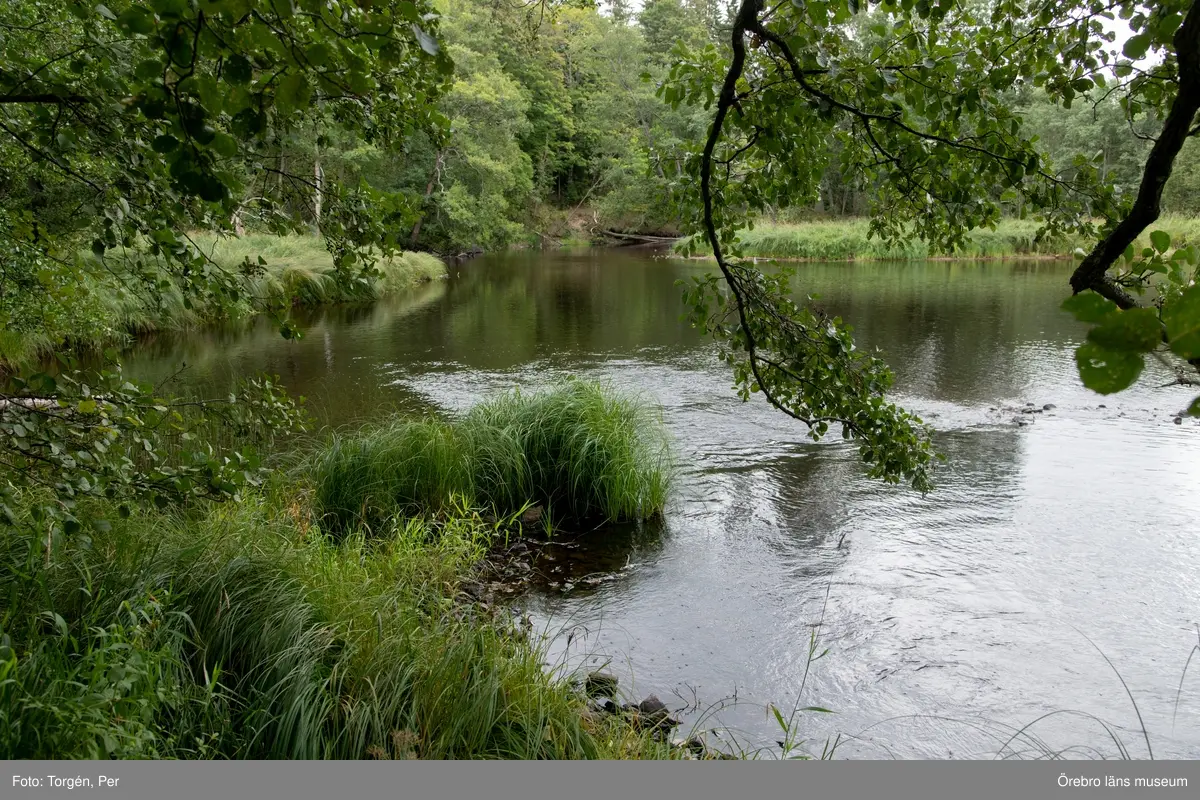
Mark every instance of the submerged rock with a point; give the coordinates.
(1049, 407)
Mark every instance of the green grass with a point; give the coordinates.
(242, 633)
(300, 270)
(847, 240)
(100, 305)
(583, 451)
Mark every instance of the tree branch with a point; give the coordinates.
(54, 99)
(1092, 272)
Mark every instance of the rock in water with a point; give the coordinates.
(601, 684)
(652, 705)
(532, 515)
(1049, 407)
(653, 714)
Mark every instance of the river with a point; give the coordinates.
(1056, 541)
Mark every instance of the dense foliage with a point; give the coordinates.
(921, 103)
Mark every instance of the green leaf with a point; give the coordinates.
(1194, 408)
(1182, 317)
(318, 54)
(87, 406)
(105, 12)
(427, 42)
(1137, 330)
(137, 20)
(224, 145)
(1161, 240)
(1136, 46)
(1107, 371)
(1089, 306)
(779, 717)
(237, 70)
(293, 93)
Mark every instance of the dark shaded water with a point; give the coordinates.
(951, 620)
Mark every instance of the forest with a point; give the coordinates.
(556, 132)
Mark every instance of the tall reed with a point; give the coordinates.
(238, 634)
(583, 451)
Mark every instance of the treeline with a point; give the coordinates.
(555, 131)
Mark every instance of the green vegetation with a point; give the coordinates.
(299, 270)
(850, 240)
(109, 305)
(581, 451)
(241, 632)
(921, 109)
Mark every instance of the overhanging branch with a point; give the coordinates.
(1092, 272)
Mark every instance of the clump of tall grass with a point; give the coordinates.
(583, 451)
(237, 634)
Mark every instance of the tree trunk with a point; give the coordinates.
(433, 177)
(318, 187)
(650, 146)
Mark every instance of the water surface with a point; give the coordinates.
(951, 620)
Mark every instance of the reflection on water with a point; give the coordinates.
(947, 617)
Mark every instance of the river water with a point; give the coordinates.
(951, 621)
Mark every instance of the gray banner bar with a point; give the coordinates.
(347, 780)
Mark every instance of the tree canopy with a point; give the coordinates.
(126, 127)
(922, 104)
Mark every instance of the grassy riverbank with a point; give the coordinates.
(242, 630)
(109, 306)
(848, 240)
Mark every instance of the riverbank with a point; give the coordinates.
(110, 306)
(849, 240)
(247, 630)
